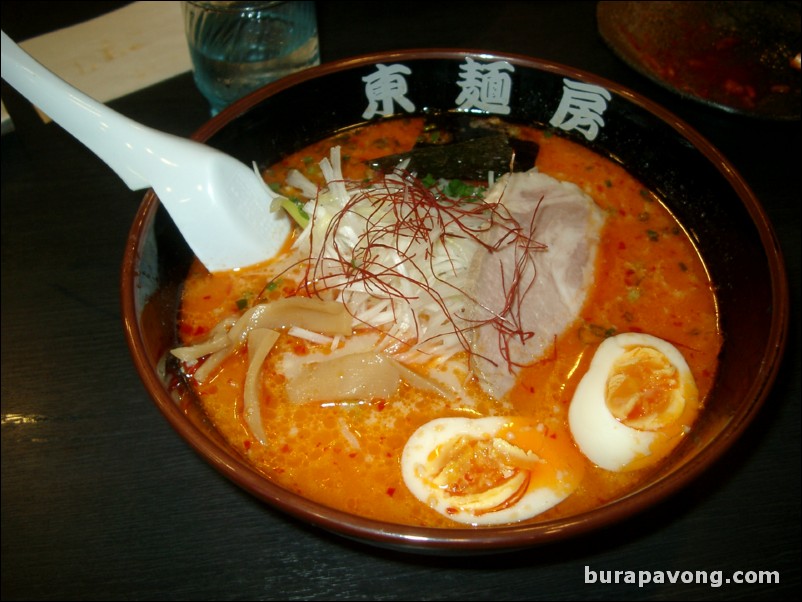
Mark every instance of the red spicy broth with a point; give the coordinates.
(649, 278)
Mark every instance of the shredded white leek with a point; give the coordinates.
(401, 305)
(308, 335)
(399, 259)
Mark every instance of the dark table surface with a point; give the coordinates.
(102, 500)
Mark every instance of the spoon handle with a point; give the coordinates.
(221, 207)
(111, 136)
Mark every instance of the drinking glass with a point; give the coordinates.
(237, 47)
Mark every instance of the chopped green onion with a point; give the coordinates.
(602, 332)
(429, 181)
(460, 190)
(294, 207)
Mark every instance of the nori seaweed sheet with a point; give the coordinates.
(454, 148)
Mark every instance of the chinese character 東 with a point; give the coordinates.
(384, 88)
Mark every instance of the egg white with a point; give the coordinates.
(606, 440)
(536, 490)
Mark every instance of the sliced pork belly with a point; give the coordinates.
(527, 296)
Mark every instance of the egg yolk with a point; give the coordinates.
(488, 468)
(494, 472)
(643, 389)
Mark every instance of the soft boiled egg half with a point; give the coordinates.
(489, 471)
(635, 403)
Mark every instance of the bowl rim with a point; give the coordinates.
(484, 539)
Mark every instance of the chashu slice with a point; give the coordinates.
(526, 296)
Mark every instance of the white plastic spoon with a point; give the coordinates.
(220, 206)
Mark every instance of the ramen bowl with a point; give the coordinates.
(699, 187)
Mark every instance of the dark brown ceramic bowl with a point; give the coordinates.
(700, 187)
